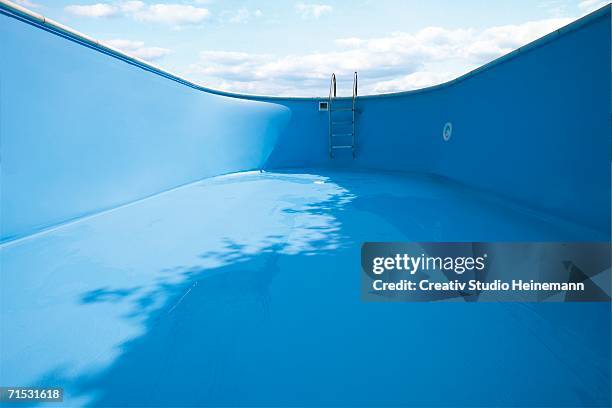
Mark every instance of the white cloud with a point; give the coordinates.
(240, 66)
(132, 6)
(400, 61)
(138, 49)
(93, 10)
(172, 14)
(416, 80)
(312, 10)
(165, 13)
(496, 41)
(587, 6)
(242, 15)
(349, 42)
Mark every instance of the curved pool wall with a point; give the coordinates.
(83, 132)
(85, 129)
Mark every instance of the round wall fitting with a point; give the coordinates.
(447, 131)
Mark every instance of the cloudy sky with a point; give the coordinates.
(291, 47)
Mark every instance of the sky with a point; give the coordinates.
(273, 47)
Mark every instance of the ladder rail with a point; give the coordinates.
(354, 100)
(332, 94)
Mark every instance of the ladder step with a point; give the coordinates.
(342, 147)
(342, 134)
(341, 109)
(343, 122)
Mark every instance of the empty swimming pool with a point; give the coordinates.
(164, 244)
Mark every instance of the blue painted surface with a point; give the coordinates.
(244, 289)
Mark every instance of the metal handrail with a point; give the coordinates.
(332, 86)
(332, 94)
(354, 100)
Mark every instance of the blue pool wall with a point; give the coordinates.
(84, 130)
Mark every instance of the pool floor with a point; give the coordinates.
(245, 290)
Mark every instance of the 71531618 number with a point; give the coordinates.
(40, 394)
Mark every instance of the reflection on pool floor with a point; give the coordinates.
(244, 290)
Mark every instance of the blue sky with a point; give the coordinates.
(291, 47)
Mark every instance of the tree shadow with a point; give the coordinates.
(190, 352)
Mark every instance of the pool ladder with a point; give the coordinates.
(341, 128)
